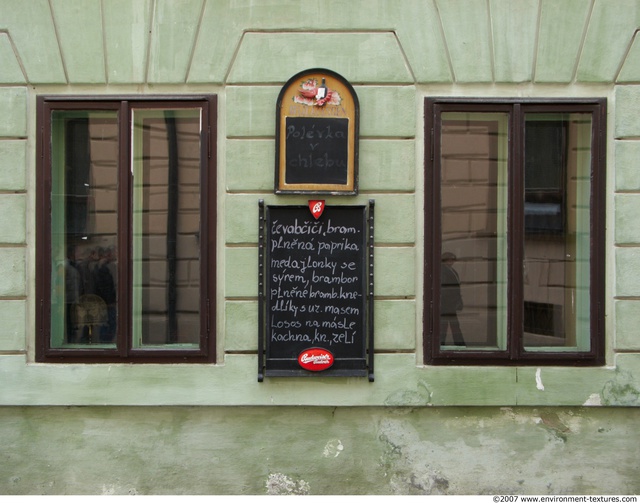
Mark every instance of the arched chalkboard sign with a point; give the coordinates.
(317, 121)
(316, 291)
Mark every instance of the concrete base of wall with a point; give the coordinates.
(302, 450)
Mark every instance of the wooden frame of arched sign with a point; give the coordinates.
(317, 122)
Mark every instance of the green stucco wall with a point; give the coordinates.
(318, 450)
(395, 53)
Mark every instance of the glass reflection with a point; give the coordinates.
(166, 228)
(84, 228)
(556, 240)
(473, 227)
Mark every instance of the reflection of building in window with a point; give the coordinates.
(544, 176)
(470, 207)
(542, 321)
(170, 226)
(517, 191)
(126, 220)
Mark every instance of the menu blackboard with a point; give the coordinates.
(316, 289)
(317, 130)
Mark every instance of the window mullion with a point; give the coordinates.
(515, 234)
(124, 230)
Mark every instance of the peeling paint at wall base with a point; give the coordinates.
(279, 484)
(319, 450)
(622, 390)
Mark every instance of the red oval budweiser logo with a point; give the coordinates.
(315, 359)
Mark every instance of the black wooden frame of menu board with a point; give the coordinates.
(315, 290)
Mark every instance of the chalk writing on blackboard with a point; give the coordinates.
(316, 150)
(316, 286)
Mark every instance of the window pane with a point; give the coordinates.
(473, 195)
(556, 240)
(166, 228)
(84, 228)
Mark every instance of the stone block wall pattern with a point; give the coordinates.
(417, 429)
(154, 46)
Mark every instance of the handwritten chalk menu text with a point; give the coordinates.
(316, 288)
(317, 128)
(316, 150)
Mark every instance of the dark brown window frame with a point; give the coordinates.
(515, 353)
(124, 352)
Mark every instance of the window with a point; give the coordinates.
(126, 208)
(514, 232)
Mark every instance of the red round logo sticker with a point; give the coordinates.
(316, 207)
(315, 359)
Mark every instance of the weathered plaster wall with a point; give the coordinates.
(301, 450)
(395, 53)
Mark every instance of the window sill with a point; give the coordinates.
(399, 383)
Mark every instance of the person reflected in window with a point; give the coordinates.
(71, 292)
(450, 301)
(106, 288)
